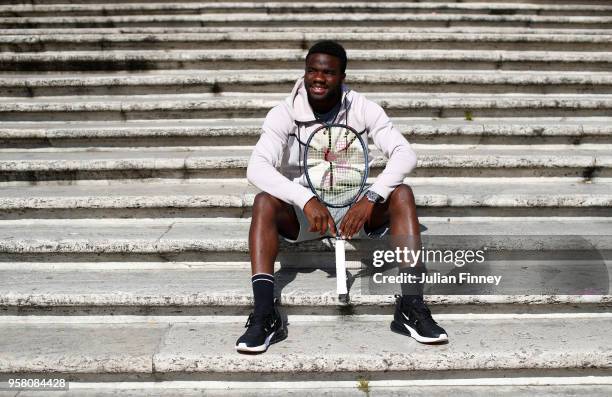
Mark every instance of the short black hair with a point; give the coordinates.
(332, 48)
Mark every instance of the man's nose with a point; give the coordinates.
(319, 76)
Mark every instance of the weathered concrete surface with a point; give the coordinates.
(248, 59)
(260, 77)
(331, 390)
(237, 193)
(251, 127)
(236, 158)
(299, 29)
(206, 287)
(196, 287)
(350, 346)
(218, 235)
(294, 36)
(474, 41)
(80, 348)
(304, 18)
(298, 7)
(120, 107)
(319, 347)
(268, 100)
(387, 100)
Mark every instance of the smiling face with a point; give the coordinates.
(323, 79)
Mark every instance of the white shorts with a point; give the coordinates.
(337, 214)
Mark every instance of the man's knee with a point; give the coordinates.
(266, 205)
(402, 196)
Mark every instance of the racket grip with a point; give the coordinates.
(340, 268)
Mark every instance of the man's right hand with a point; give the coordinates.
(318, 217)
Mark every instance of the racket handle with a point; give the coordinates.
(340, 268)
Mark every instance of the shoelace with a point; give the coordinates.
(249, 320)
(265, 321)
(421, 311)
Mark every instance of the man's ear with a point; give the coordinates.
(343, 77)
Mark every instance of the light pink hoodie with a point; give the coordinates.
(274, 166)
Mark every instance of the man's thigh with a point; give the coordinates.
(381, 214)
(379, 217)
(287, 221)
(267, 209)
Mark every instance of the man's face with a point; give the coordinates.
(323, 77)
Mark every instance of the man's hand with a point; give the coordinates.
(356, 217)
(318, 217)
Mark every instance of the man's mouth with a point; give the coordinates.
(318, 90)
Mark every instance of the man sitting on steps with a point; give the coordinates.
(287, 208)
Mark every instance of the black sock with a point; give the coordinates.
(263, 293)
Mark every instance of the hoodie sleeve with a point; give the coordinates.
(267, 155)
(401, 158)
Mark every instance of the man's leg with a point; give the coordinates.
(399, 211)
(271, 217)
(412, 317)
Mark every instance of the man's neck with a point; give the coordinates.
(326, 106)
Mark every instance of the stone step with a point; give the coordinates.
(198, 8)
(569, 2)
(294, 59)
(195, 288)
(266, 81)
(238, 104)
(595, 386)
(275, 40)
(168, 349)
(107, 279)
(586, 161)
(236, 131)
(233, 198)
(313, 29)
(187, 239)
(310, 19)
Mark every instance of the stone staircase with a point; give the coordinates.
(124, 209)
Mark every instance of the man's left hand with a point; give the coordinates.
(356, 217)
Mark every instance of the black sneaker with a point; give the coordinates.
(413, 318)
(261, 332)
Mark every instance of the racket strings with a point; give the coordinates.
(336, 164)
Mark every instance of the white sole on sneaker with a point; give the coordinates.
(241, 347)
(424, 339)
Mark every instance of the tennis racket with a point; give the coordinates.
(336, 168)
